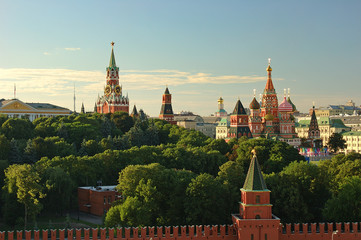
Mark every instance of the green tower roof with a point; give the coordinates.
(112, 63)
(254, 179)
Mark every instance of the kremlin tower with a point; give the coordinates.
(239, 122)
(113, 99)
(255, 219)
(166, 111)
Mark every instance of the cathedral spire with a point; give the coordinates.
(112, 63)
(269, 85)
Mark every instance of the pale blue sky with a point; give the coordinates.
(201, 49)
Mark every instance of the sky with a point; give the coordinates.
(201, 49)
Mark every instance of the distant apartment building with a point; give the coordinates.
(349, 108)
(206, 125)
(353, 141)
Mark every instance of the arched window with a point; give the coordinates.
(258, 216)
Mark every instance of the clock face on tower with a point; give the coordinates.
(107, 90)
(118, 89)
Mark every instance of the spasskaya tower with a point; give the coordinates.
(113, 99)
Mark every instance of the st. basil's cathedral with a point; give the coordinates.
(266, 118)
(113, 99)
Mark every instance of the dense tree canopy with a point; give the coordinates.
(166, 174)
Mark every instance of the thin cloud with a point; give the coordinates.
(57, 82)
(72, 49)
(46, 53)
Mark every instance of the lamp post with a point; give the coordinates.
(334, 233)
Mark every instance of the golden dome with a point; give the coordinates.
(269, 68)
(269, 117)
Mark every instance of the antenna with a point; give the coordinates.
(74, 98)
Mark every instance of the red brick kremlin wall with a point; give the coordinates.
(321, 231)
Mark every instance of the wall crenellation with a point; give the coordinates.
(309, 231)
(320, 231)
(199, 232)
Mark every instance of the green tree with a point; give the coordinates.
(122, 121)
(3, 118)
(90, 148)
(4, 148)
(17, 128)
(272, 155)
(24, 181)
(15, 155)
(231, 175)
(345, 205)
(59, 187)
(299, 184)
(204, 202)
(112, 218)
(336, 142)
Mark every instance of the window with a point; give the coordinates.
(258, 199)
(252, 237)
(258, 216)
(265, 236)
(105, 200)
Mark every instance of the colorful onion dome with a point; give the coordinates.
(269, 117)
(293, 106)
(254, 104)
(285, 106)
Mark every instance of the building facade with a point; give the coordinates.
(15, 108)
(222, 128)
(113, 99)
(96, 200)
(353, 141)
(327, 126)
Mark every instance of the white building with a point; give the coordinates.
(15, 108)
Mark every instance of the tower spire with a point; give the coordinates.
(82, 108)
(254, 179)
(112, 63)
(269, 85)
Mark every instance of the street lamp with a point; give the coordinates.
(334, 233)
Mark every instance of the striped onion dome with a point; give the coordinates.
(285, 106)
(254, 104)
